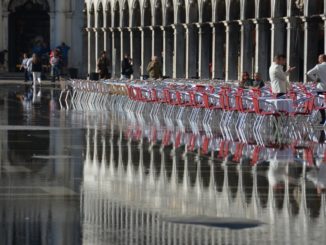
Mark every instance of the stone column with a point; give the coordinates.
(205, 40)
(218, 59)
(91, 51)
(292, 48)
(247, 46)
(167, 51)
(232, 50)
(116, 52)
(262, 53)
(324, 19)
(179, 51)
(135, 52)
(5, 36)
(125, 42)
(97, 43)
(191, 50)
(310, 45)
(157, 41)
(278, 37)
(146, 47)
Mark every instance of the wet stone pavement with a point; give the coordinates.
(97, 177)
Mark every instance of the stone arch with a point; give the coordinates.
(280, 7)
(100, 16)
(147, 13)
(264, 8)
(136, 15)
(234, 10)
(125, 14)
(181, 12)
(220, 10)
(248, 9)
(108, 14)
(169, 13)
(206, 11)
(158, 13)
(314, 7)
(116, 14)
(193, 12)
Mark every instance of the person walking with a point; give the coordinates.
(36, 69)
(126, 67)
(318, 75)
(278, 77)
(154, 69)
(24, 67)
(102, 66)
(55, 65)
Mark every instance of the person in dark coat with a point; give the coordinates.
(126, 67)
(102, 66)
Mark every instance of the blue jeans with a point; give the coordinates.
(55, 72)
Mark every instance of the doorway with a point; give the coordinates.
(29, 31)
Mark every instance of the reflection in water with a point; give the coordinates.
(125, 198)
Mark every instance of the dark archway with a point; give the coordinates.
(249, 9)
(234, 10)
(169, 13)
(181, 12)
(220, 10)
(125, 15)
(158, 16)
(29, 30)
(147, 20)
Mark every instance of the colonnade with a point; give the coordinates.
(205, 38)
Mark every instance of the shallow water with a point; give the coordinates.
(73, 177)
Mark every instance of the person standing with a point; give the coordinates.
(24, 67)
(55, 65)
(126, 67)
(154, 69)
(318, 75)
(278, 77)
(102, 66)
(64, 50)
(36, 69)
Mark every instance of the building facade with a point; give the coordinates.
(28, 25)
(206, 38)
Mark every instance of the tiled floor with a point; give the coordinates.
(73, 177)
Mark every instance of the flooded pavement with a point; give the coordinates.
(105, 177)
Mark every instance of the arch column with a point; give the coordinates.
(135, 50)
(218, 32)
(116, 49)
(278, 37)
(168, 42)
(99, 42)
(157, 41)
(91, 51)
(292, 47)
(262, 52)
(191, 50)
(5, 35)
(146, 46)
(247, 46)
(232, 50)
(179, 51)
(310, 45)
(205, 39)
(125, 42)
